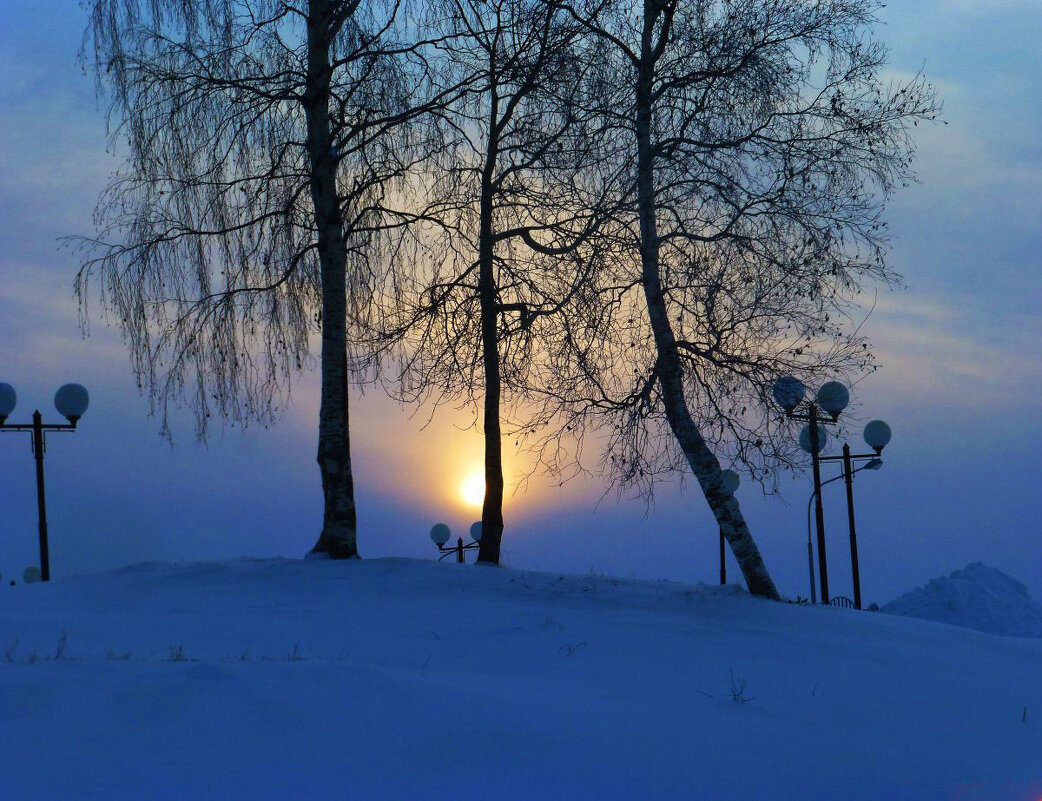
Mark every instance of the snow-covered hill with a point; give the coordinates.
(978, 597)
(397, 679)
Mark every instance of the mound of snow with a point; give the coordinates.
(977, 597)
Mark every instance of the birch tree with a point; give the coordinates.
(763, 144)
(507, 220)
(261, 138)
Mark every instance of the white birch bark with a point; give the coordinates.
(492, 506)
(703, 462)
(338, 538)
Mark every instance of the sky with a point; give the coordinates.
(960, 377)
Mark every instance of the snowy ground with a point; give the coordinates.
(398, 679)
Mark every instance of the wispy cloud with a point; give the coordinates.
(957, 356)
(991, 5)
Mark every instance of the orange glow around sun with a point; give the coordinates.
(472, 489)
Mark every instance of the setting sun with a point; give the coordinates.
(472, 490)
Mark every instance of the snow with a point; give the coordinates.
(977, 597)
(401, 679)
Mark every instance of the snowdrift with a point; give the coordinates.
(977, 597)
(399, 679)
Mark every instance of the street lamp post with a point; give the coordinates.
(848, 479)
(71, 401)
(832, 398)
(731, 482)
(874, 463)
(440, 534)
(818, 439)
(877, 435)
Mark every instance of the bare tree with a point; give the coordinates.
(762, 144)
(263, 137)
(506, 220)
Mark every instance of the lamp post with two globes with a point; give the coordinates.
(440, 534)
(833, 398)
(71, 401)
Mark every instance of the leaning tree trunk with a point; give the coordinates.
(492, 508)
(339, 526)
(703, 462)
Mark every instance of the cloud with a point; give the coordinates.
(947, 354)
(991, 5)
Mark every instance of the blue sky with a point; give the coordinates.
(960, 381)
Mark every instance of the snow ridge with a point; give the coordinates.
(976, 597)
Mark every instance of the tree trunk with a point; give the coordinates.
(703, 462)
(492, 508)
(339, 526)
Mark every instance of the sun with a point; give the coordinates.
(472, 490)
